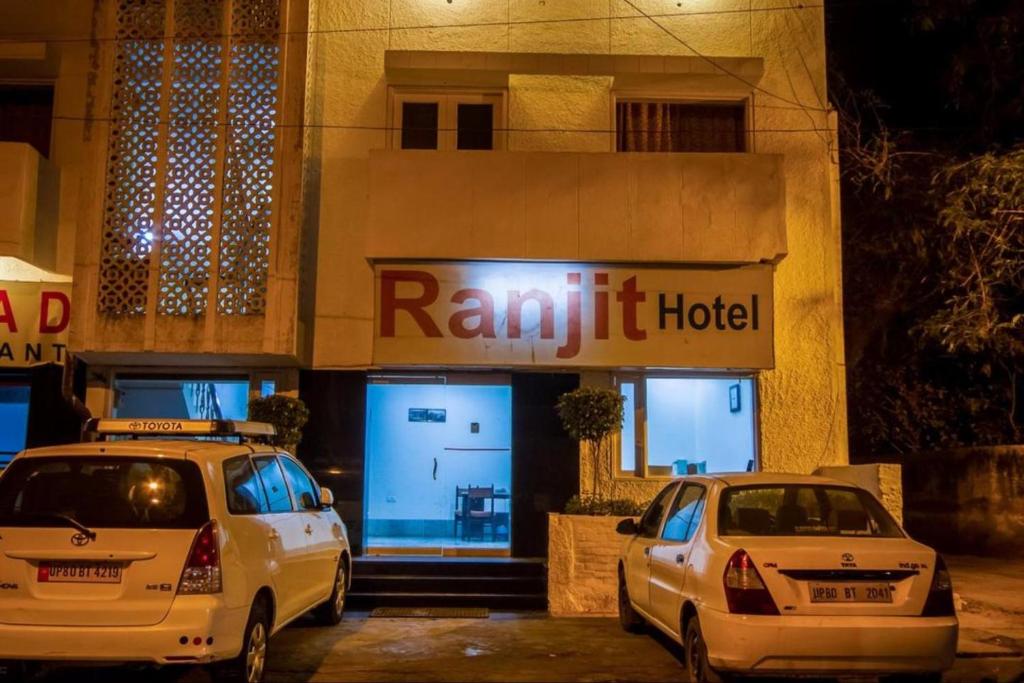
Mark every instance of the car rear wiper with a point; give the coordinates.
(56, 517)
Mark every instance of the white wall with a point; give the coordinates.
(400, 454)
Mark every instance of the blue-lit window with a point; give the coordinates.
(14, 399)
(686, 425)
(192, 398)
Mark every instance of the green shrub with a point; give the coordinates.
(288, 415)
(598, 506)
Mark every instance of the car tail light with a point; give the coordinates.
(940, 595)
(202, 570)
(745, 592)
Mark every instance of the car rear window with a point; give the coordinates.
(103, 492)
(803, 510)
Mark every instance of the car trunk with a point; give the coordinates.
(98, 540)
(51, 581)
(817, 575)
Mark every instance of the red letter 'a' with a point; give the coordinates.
(6, 312)
(389, 302)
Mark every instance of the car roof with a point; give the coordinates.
(755, 478)
(152, 448)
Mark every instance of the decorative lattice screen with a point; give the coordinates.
(132, 158)
(248, 167)
(201, 177)
(189, 194)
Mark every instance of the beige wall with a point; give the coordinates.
(802, 401)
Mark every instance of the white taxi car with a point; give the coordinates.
(165, 550)
(778, 574)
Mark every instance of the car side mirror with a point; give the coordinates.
(326, 498)
(627, 527)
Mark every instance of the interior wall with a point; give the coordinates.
(401, 482)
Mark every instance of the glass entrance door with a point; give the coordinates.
(438, 466)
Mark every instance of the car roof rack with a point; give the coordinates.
(100, 428)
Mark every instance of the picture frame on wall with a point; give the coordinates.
(735, 405)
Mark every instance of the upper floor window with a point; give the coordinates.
(447, 121)
(192, 157)
(26, 113)
(659, 126)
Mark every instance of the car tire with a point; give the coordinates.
(698, 669)
(250, 664)
(333, 609)
(629, 619)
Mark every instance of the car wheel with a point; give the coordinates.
(697, 666)
(250, 663)
(331, 611)
(630, 621)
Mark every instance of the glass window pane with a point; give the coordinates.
(627, 453)
(302, 487)
(646, 126)
(694, 425)
(651, 521)
(244, 493)
(419, 125)
(684, 515)
(14, 401)
(196, 398)
(273, 484)
(476, 126)
(795, 510)
(103, 492)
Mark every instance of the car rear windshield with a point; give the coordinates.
(803, 510)
(103, 492)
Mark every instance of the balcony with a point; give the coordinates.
(606, 207)
(29, 200)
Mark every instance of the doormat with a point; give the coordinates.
(431, 612)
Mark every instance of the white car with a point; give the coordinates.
(760, 573)
(167, 551)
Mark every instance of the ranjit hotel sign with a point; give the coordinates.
(575, 315)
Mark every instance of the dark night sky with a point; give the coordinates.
(879, 45)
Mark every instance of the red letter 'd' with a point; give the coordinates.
(389, 303)
(6, 312)
(45, 326)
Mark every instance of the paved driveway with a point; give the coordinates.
(503, 648)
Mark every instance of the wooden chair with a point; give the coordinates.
(480, 513)
(461, 509)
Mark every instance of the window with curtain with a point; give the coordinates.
(651, 126)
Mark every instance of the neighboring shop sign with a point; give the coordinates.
(557, 314)
(34, 319)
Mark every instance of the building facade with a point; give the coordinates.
(431, 218)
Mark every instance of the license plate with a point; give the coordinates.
(80, 572)
(851, 592)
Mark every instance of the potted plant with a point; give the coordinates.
(591, 415)
(288, 415)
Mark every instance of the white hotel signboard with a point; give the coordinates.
(574, 315)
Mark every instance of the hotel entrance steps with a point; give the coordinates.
(404, 581)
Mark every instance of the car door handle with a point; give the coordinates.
(647, 551)
(680, 558)
(309, 530)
